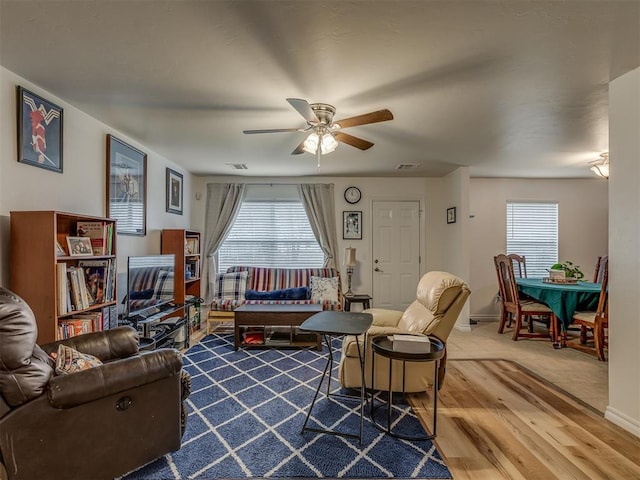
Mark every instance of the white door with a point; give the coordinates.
(396, 253)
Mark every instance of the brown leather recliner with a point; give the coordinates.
(97, 423)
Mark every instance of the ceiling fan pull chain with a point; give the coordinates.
(318, 154)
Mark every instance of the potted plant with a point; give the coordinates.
(566, 270)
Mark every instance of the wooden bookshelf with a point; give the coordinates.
(36, 262)
(186, 245)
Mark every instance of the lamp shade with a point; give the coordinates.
(350, 257)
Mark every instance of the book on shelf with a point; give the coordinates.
(96, 273)
(63, 297)
(98, 232)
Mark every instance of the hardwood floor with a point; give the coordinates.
(496, 420)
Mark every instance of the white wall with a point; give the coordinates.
(428, 191)
(624, 255)
(81, 188)
(583, 227)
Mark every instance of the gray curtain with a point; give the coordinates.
(319, 203)
(223, 204)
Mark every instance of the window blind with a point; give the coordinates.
(271, 233)
(532, 231)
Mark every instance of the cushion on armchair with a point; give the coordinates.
(25, 369)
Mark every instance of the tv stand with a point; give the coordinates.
(166, 325)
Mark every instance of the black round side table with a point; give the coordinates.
(384, 347)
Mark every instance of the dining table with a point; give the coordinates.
(564, 299)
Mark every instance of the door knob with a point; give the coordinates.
(377, 270)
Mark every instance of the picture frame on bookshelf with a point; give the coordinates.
(191, 246)
(60, 252)
(39, 131)
(79, 246)
(126, 187)
(174, 192)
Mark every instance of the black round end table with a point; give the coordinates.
(383, 346)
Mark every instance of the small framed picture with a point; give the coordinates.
(451, 215)
(39, 131)
(352, 225)
(79, 246)
(174, 192)
(60, 250)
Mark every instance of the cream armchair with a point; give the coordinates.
(439, 299)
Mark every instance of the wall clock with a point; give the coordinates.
(352, 195)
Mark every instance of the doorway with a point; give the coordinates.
(395, 253)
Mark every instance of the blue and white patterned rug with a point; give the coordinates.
(246, 412)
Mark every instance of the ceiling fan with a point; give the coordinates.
(324, 132)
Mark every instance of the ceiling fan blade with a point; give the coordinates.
(373, 117)
(353, 141)
(274, 130)
(303, 108)
(299, 149)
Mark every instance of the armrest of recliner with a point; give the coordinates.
(383, 317)
(67, 391)
(120, 342)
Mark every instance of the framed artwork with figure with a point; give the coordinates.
(39, 131)
(174, 192)
(126, 187)
(352, 225)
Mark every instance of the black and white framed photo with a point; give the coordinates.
(39, 131)
(451, 215)
(174, 192)
(126, 187)
(351, 225)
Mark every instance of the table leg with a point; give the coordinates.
(553, 330)
(329, 368)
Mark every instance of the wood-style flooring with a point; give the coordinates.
(497, 420)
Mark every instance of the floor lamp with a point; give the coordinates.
(350, 262)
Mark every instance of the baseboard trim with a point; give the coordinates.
(463, 328)
(622, 420)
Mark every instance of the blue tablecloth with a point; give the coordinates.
(563, 299)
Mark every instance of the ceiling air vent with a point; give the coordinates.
(238, 166)
(407, 166)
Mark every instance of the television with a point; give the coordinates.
(150, 284)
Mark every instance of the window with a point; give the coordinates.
(270, 233)
(532, 231)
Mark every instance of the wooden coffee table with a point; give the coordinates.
(282, 315)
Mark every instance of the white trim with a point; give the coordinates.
(616, 416)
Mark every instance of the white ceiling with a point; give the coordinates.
(509, 88)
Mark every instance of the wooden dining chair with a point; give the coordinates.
(601, 263)
(519, 264)
(593, 324)
(517, 309)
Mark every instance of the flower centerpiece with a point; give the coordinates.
(565, 270)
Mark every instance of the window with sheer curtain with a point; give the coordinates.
(532, 231)
(271, 232)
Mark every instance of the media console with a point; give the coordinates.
(167, 326)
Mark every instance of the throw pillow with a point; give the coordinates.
(324, 289)
(69, 360)
(230, 286)
(294, 293)
(164, 285)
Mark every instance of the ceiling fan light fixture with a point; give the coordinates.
(311, 143)
(601, 167)
(328, 143)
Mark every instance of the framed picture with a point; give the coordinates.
(451, 215)
(126, 187)
(174, 192)
(352, 225)
(79, 246)
(39, 131)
